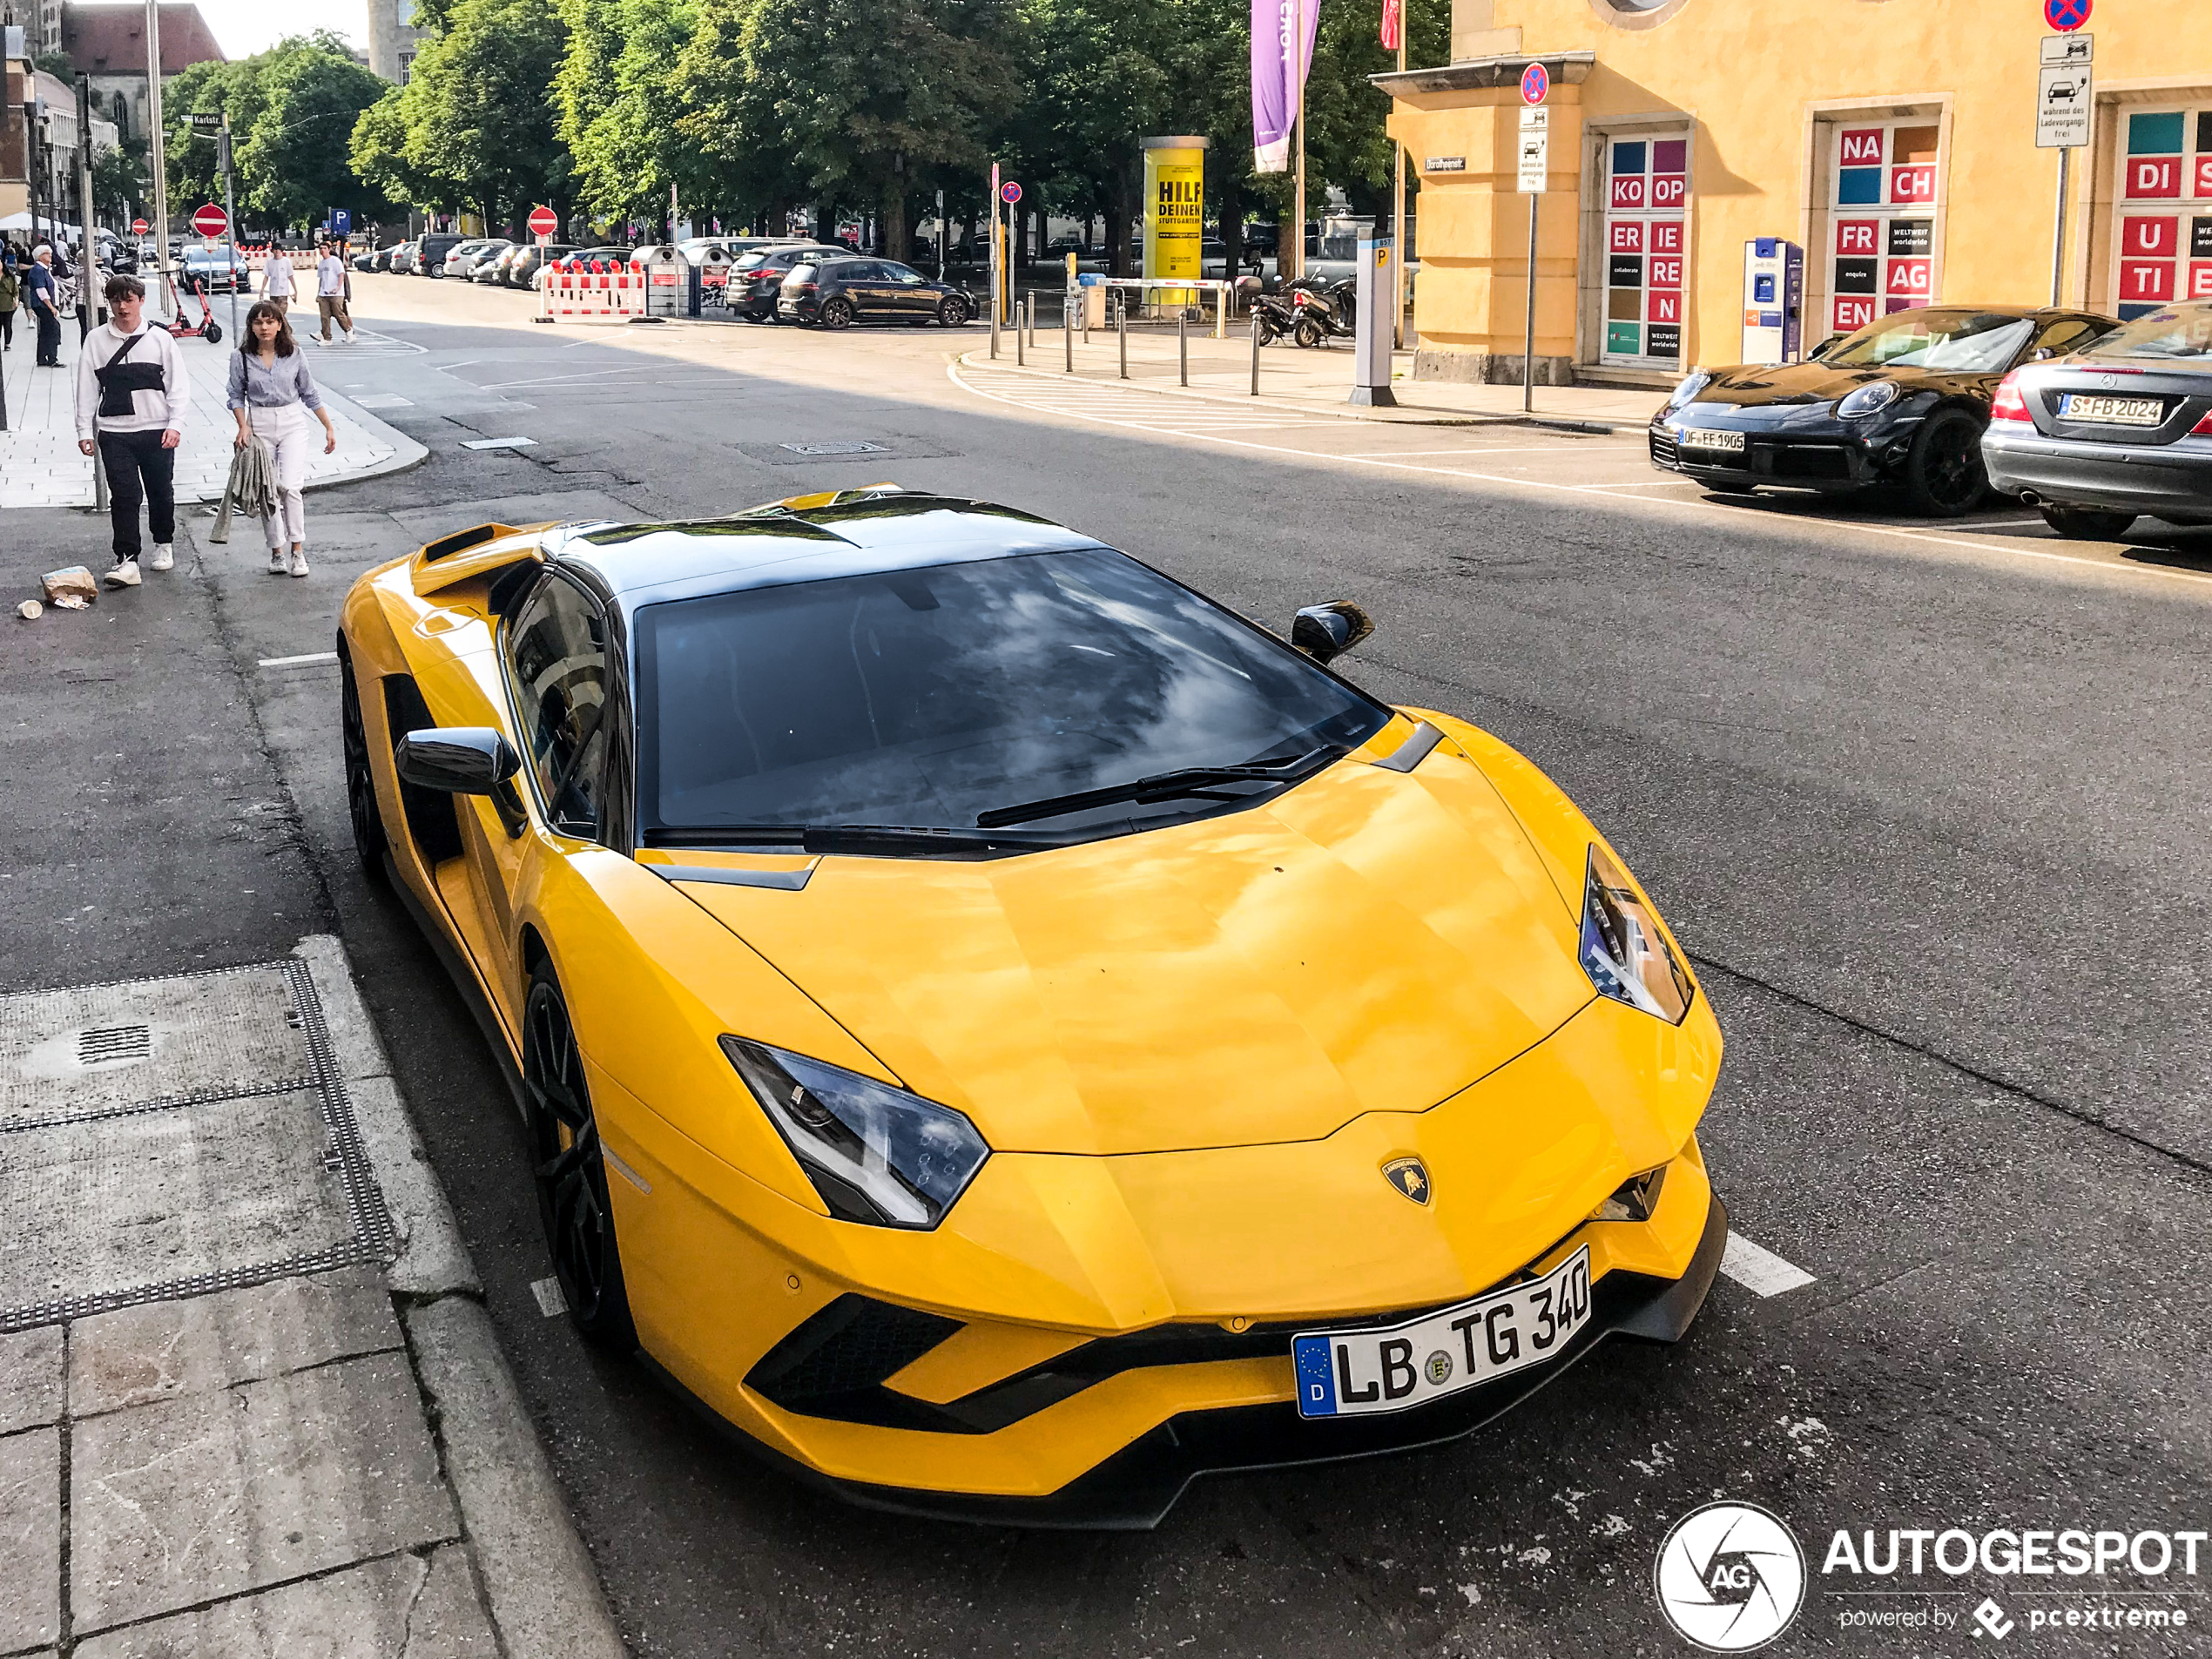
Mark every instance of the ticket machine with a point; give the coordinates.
(1774, 300)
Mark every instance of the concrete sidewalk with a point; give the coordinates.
(1317, 381)
(40, 465)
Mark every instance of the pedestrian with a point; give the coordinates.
(11, 292)
(45, 308)
(132, 394)
(331, 287)
(276, 279)
(271, 394)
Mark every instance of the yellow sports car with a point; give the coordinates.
(1004, 1032)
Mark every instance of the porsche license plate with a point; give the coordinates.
(1707, 437)
(2113, 411)
(1347, 1373)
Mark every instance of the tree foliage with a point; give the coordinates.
(290, 109)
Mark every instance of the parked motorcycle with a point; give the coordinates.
(1323, 310)
(1275, 316)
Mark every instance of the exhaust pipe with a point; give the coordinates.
(2029, 498)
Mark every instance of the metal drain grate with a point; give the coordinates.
(226, 1155)
(106, 1045)
(841, 447)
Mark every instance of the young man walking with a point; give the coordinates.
(276, 278)
(132, 394)
(330, 293)
(45, 308)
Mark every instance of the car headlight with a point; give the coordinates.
(875, 1153)
(1623, 951)
(1869, 398)
(1692, 383)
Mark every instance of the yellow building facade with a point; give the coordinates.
(1892, 140)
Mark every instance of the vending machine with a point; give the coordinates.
(1774, 300)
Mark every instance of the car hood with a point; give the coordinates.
(1759, 386)
(1370, 940)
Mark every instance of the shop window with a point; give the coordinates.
(1884, 207)
(2165, 217)
(1647, 202)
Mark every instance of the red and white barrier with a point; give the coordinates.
(588, 288)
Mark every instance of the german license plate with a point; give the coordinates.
(2113, 411)
(1350, 1373)
(1706, 437)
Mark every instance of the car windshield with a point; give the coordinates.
(1960, 343)
(924, 697)
(2175, 331)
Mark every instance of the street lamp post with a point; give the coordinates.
(156, 154)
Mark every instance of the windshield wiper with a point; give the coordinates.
(834, 838)
(1160, 785)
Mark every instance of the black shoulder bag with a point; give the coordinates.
(119, 380)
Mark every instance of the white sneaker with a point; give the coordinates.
(125, 575)
(298, 562)
(165, 557)
(278, 565)
(350, 340)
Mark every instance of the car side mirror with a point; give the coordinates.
(1821, 350)
(457, 760)
(1325, 632)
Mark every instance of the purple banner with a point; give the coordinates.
(1276, 78)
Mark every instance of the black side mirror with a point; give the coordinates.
(1821, 350)
(457, 760)
(1326, 631)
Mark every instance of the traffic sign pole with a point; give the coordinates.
(2065, 95)
(1535, 130)
(230, 224)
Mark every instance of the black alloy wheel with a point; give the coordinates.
(837, 314)
(570, 1169)
(953, 312)
(2088, 523)
(1944, 472)
(360, 783)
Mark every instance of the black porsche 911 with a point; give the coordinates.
(1901, 405)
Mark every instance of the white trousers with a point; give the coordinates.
(293, 435)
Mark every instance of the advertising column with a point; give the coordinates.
(1175, 209)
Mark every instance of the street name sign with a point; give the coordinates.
(1535, 149)
(206, 120)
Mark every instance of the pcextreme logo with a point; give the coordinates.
(1729, 1577)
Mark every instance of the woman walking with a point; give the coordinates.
(270, 394)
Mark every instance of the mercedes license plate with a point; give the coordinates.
(2113, 411)
(1345, 1373)
(1706, 437)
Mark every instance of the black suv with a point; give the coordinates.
(838, 292)
(756, 276)
(430, 255)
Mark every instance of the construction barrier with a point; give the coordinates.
(582, 288)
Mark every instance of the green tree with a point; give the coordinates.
(620, 106)
(729, 118)
(120, 182)
(478, 112)
(291, 162)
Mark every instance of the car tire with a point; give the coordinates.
(1943, 471)
(570, 1168)
(369, 840)
(953, 312)
(2088, 523)
(837, 314)
(1308, 333)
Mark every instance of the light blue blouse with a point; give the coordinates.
(287, 382)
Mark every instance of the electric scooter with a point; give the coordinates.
(206, 328)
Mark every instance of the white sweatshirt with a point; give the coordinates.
(150, 410)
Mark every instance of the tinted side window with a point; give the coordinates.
(557, 653)
(2069, 334)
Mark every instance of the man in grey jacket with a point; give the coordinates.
(132, 394)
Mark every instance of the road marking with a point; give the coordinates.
(301, 661)
(384, 400)
(551, 1301)
(1761, 1271)
(499, 443)
(2003, 549)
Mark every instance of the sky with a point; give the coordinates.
(244, 27)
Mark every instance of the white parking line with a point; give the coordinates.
(1760, 1271)
(301, 661)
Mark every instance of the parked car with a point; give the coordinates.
(403, 258)
(492, 270)
(521, 272)
(838, 292)
(431, 250)
(220, 270)
(758, 276)
(2095, 440)
(1901, 404)
(464, 259)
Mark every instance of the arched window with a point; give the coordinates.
(122, 116)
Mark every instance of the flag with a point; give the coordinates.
(1278, 75)
(1393, 24)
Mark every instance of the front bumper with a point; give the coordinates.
(1828, 459)
(1133, 1489)
(2165, 478)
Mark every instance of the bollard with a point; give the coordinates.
(1121, 322)
(1255, 351)
(1086, 299)
(1183, 343)
(1019, 334)
(995, 319)
(1067, 336)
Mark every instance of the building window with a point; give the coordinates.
(1884, 203)
(122, 116)
(1647, 202)
(2165, 217)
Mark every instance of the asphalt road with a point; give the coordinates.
(1926, 803)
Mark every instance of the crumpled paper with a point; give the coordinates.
(72, 588)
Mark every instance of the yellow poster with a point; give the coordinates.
(1175, 212)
